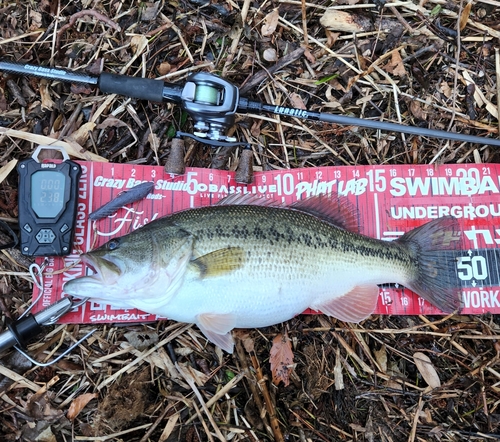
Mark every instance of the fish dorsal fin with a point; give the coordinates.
(219, 262)
(332, 209)
(249, 199)
(354, 306)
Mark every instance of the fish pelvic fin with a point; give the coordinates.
(435, 278)
(219, 262)
(354, 306)
(217, 329)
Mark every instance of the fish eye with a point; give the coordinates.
(113, 244)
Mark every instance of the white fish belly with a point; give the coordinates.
(274, 294)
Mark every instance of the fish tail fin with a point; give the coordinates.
(434, 247)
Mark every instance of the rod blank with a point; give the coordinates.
(246, 105)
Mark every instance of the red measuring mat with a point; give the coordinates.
(391, 200)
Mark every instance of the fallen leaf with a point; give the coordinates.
(46, 435)
(199, 378)
(78, 404)
(426, 369)
(82, 134)
(142, 340)
(270, 23)
(36, 20)
(164, 68)
(381, 357)
(81, 89)
(394, 371)
(39, 431)
(149, 11)
(96, 67)
(297, 101)
(364, 99)
(465, 15)
(310, 57)
(47, 102)
(445, 89)
(255, 129)
(396, 65)
(172, 420)
(281, 359)
(154, 141)
(5, 170)
(417, 111)
(270, 54)
(479, 97)
(245, 339)
(112, 122)
(138, 43)
(39, 407)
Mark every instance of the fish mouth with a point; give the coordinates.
(106, 274)
(105, 270)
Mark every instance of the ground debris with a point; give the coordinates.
(123, 403)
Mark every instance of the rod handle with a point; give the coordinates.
(136, 87)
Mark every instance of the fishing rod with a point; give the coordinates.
(212, 103)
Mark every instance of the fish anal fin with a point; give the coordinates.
(354, 306)
(217, 328)
(333, 209)
(219, 262)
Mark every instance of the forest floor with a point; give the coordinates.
(429, 64)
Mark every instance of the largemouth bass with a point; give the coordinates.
(240, 264)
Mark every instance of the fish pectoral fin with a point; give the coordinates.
(354, 306)
(219, 262)
(217, 328)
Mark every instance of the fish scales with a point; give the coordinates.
(246, 265)
(285, 228)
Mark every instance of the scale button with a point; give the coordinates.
(45, 236)
(28, 228)
(63, 228)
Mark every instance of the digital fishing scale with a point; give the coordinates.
(47, 203)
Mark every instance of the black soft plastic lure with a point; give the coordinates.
(136, 193)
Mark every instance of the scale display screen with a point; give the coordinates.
(47, 193)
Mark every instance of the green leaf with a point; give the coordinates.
(171, 131)
(230, 375)
(436, 10)
(184, 117)
(326, 79)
